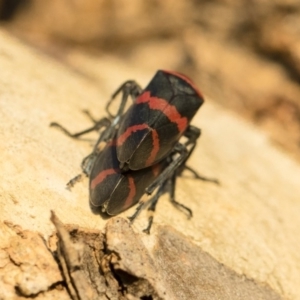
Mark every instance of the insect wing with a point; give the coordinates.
(105, 175)
(131, 188)
(154, 123)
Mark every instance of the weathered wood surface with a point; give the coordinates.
(249, 224)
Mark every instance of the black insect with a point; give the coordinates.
(143, 151)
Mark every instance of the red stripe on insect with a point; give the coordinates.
(168, 110)
(111, 143)
(122, 138)
(156, 169)
(132, 192)
(101, 176)
(155, 148)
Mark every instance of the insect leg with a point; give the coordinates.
(200, 177)
(171, 168)
(152, 201)
(137, 211)
(192, 134)
(89, 115)
(86, 166)
(128, 88)
(104, 122)
(172, 197)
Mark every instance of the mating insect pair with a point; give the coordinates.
(143, 151)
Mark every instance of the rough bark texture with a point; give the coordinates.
(242, 242)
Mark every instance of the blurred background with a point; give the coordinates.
(243, 54)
